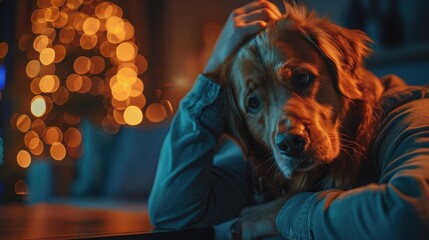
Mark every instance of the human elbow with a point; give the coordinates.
(410, 216)
(164, 217)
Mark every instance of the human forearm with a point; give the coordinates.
(192, 182)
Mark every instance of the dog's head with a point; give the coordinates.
(291, 87)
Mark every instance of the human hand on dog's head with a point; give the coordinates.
(242, 23)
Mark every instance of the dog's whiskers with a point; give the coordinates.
(269, 157)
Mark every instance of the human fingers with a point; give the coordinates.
(253, 27)
(259, 4)
(263, 14)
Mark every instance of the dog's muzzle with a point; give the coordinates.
(291, 142)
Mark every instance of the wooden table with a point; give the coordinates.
(62, 221)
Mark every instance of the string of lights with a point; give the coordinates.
(83, 62)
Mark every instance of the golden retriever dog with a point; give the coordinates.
(301, 97)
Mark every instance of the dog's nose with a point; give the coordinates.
(291, 143)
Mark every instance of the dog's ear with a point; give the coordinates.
(235, 126)
(345, 50)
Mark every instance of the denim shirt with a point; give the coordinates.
(201, 184)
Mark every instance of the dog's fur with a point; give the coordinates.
(335, 111)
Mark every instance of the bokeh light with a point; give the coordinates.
(47, 56)
(133, 115)
(93, 40)
(72, 137)
(38, 126)
(49, 83)
(23, 123)
(52, 135)
(41, 42)
(156, 112)
(91, 25)
(82, 65)
(126, 51)
(23, 158)
(58, 151)
(33, 68)
(38, 106)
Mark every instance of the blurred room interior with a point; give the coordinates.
(88, 87)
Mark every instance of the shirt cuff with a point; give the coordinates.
(204, 104)
(293, 220)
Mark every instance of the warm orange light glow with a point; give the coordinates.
(34, 86)
(53, 134)
(141, 63)
(49, 104)
(37, 28)
(72, 137)
(104, 10)
(82, 65)
(3, 49)
(106, 49)
(61, 20)
(97, 65)
(43, 3)
(127, 75)
(128, 30)
(78, 19)
(133, 115)
(29, 136)
(33, 68)
(38, 106)
(38, 126)
(126, 51)
(49, 83)
(156, 112)
(119, 105)
(74, 4)
(67, 34)
(121, 91)
(74, 82)
(100, 44)
(58, 151)
(91, 25)
(23, 159)
(61, 96)
(47, 56)
(57, 3)
(114, 25)
(36, 146)
(88, 41)
(118, 115)
(139, 101)
(23, 123)
(47, 69)
(52, 14)
(116, 38)
(60, 53)
(86, 85)
(41, 42)
(137, 88)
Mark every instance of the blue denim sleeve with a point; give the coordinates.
(397, 207)
(196, 185)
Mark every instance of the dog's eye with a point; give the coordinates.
(253, 104)
(303, 79)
